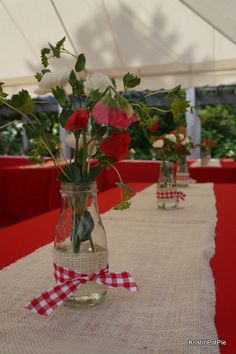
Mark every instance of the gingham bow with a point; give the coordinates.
(70, 280)
(171, 194)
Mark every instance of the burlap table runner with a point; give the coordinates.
(167, 252)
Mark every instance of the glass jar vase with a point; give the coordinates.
(205, 157)
(80, 241)
(182, 174)
(166, 192)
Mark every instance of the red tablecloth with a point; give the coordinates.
(28, 192)
(7, 161)
(23, 238)
(224, 265)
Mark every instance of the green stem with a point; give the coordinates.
(76, 147)
(84, 153)
(119, 176)
(6, 125)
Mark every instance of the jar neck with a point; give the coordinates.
(71, 189)
(166, 173)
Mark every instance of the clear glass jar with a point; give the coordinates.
(80, 241)
(166, 187)
(205, 156)
(182, 174)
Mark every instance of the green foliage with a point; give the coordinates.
(72, 78)
(11, 138)
(80, 63)
(44, 58)
(33, 130)
(2, 93)
(65, 114)
(83, 226)
(178, 104)
(219, 125)
(23, 102)
(124, 204)
(60, 95)
(131, 80)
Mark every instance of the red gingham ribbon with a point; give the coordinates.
(182, 177)
(70, 280)
(171, 194)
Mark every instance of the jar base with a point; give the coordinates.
(167, 207)
(85, 301)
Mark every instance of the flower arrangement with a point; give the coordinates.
(207, 145)
(173, 146)
(96, 118)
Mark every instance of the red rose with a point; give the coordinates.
(154, 127)
(78, 120)
(173, 132)
(116, 146)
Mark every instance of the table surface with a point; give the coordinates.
(39, 231)
(170, 261)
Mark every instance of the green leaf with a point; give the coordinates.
(38, 76)
(23, 102)
(70, 174)
(174, 91)
(55, 51)
(124, 187)
(44, 71)
(82, 229)
(92, 175)
(113, 82)
(80, 63)
(65, 114)
(60, 96)
(2, 93)
(44, 58)
(79, 88)
(60, 43)
(122, 205)
(93, 97)
(72, 78)
(33, 130)
(131, 80)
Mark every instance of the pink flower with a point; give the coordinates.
(118, 118)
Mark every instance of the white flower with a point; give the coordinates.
(158, 143)
(181, 136)
(185, 141)
(51, 80)
(70, 141)
(96, 81)
(171, 137)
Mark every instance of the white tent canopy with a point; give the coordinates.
(165, 42)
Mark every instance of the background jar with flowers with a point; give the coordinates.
(166, 185)
(182, 150)
(163, 144)
(206, 146)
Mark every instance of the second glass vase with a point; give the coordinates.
(182, 174)
(166, 187)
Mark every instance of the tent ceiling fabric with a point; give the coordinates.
(163, 41)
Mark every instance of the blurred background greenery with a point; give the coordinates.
(218, 124)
